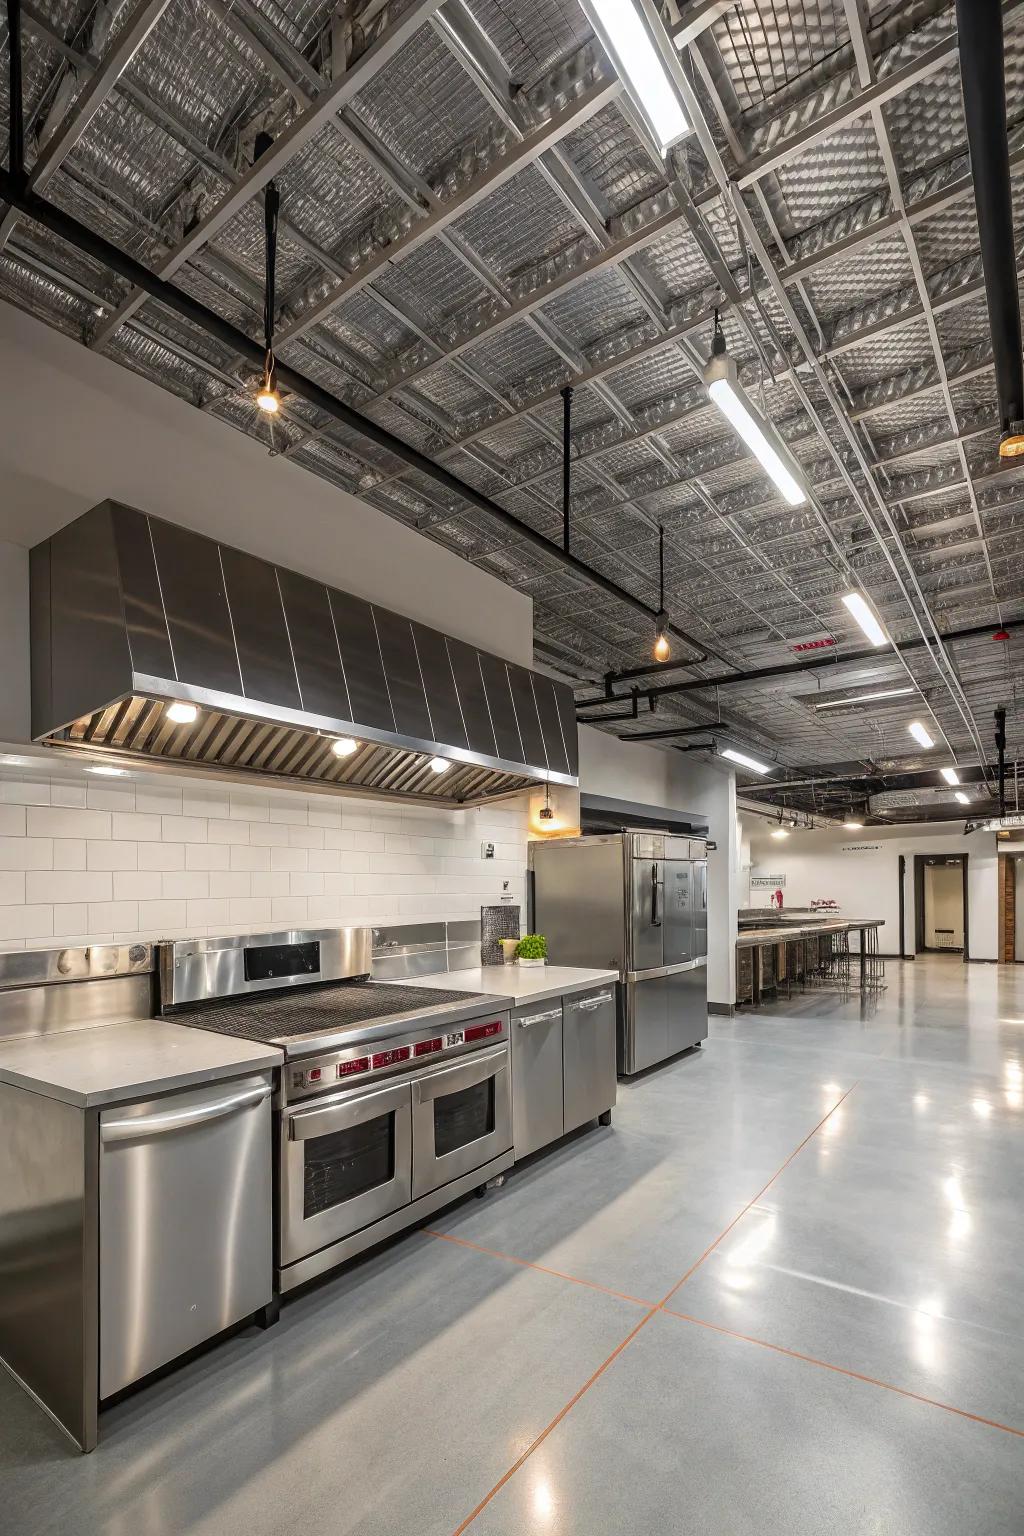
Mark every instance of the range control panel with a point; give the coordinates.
(358, 1064)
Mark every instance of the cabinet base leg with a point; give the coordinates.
(606, 1118)
(267, 1316)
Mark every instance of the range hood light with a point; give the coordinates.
(722, 379)
(182, 714)
(106, 771)
(344, 746)
(744, 761)
(963, 799)
(439, 765)
(950, 775)
(779, 833)
(865, 616)
(623, 28)
(920, 735)
(853, 826)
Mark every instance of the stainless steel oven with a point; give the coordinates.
(461, 1117)
(345, 1162)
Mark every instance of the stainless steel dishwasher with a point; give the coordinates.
(588, 1057)
(186, 1228)
(563, 1066)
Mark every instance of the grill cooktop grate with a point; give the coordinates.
(315, 1010)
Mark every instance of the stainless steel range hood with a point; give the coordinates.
(131, 614)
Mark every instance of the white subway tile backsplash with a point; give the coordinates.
(69, 853)
(47, 821)
(12, 821)
(148, 860)
(162, 855)
(140, 829)
(108, 855)
(183, 829)
(138, 884)
(244, 856)
(26, 853)
(67, 885)
(227, 831)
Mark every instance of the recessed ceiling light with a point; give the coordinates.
(779, 832)
(439, 765)
(950, 775)
(866, 698)
(745, 761)
(182, 713)
(106, 771)
(963, 799)
(919, 734)
(853, 826)
(865, 615)
(344, 746)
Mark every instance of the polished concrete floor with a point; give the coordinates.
(783, 1293)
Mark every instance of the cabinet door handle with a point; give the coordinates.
(538, 1018)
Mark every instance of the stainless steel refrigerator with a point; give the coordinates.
(635, 902)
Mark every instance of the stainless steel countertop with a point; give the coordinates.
(783, 933)
(518, 983)
(117, 1062)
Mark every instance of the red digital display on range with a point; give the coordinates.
(388, 1058)
(349, 1068)
(426, 1047)
(483, 1031)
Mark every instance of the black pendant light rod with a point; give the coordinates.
(271, 208)
(661, 569)
(566, 423)
(92, 244)
(1001, 750)
(16, 159)
(980, 40)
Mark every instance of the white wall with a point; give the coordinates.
(88, 860)
(77, 428)
(818, 864)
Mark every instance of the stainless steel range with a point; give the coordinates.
(392, 1101)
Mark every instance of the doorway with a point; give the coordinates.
(941, 917)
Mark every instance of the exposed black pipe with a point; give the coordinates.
(631, 714)
(791, 669)
(566, 424)
(16, 159)
(980, 39)
(1001, 750)
(92, 244)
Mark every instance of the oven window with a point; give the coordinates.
(344, 1164)
(462, 1117)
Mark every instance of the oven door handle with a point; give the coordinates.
(465, 1074)
(323, 1119)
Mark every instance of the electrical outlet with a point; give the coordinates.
(487, 850)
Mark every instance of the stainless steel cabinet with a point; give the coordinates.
(536, 1076)
(185, 1223)
(588, 1056)
(563, 1066)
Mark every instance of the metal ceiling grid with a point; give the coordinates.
(790, 66)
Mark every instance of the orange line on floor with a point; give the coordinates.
(496, 1253)
(617, 1351)
(842, 1370)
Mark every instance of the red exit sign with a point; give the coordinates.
(816, 643)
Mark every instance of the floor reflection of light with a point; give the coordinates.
(982, 1108)
(744, 1255)
(960, 1225)
(543, 1499)
(834, 1124)
(925, 1342)
(921, 1101)
(831, 1087)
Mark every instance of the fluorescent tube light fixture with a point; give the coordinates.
(853, 826)
(745, 761)
(950, 775)
(779, 832)
(629, 32)
(919, 734)
(866, 698)
(963, 799)
(865, 616)
(722, 379)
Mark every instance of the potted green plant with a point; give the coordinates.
(532, 949)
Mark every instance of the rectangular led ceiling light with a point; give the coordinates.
(866, 698)
(745, 761)
(919, 734)
(964, 799)
(626, 29)
(722, 380)
(865, 616)
(950, 775)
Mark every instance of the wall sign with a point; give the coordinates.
(861, 848)
(767, 882)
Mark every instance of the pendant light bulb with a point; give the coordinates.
(267, 397)
(662, 649)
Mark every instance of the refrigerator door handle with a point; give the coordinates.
(655, 913)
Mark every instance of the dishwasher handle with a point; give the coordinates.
(526, 1019)
(201, 1109)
